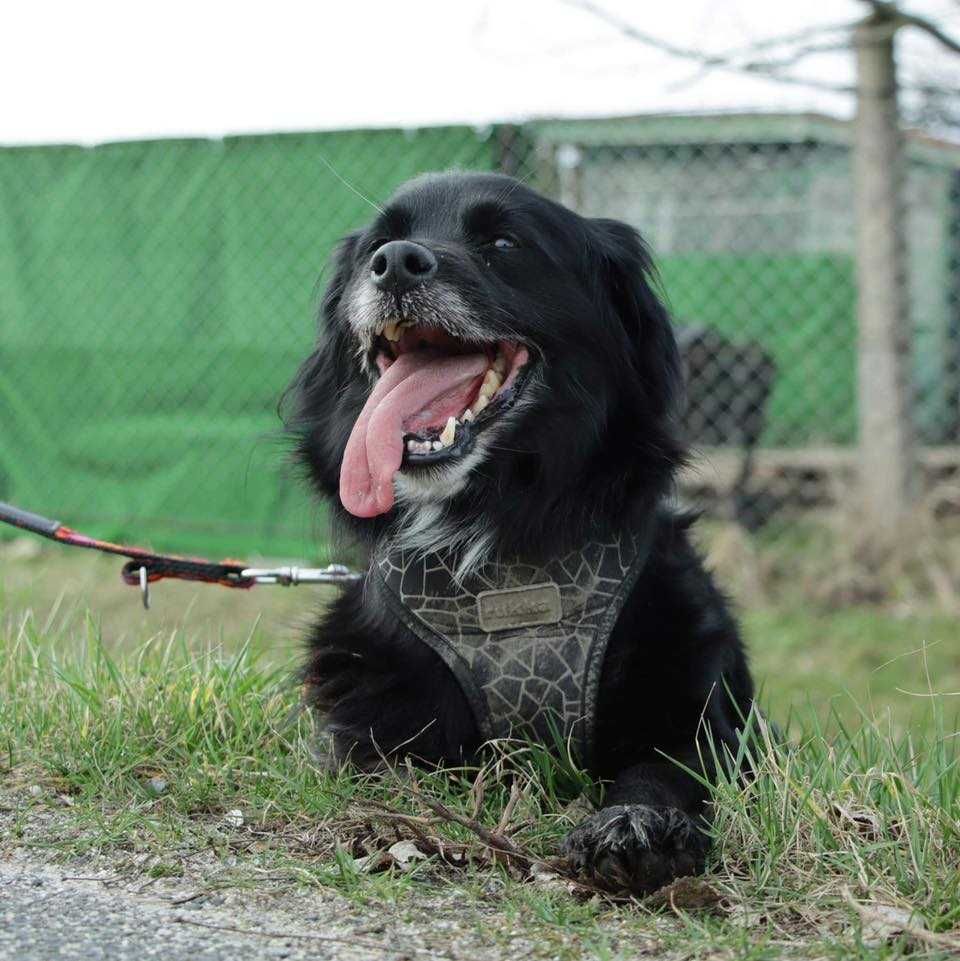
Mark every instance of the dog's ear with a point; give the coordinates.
(628, 275)
(342, 262)
(328, 362)
(314, 405)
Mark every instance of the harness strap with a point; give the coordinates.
(526, 641)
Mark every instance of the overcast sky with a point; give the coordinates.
(95, 71)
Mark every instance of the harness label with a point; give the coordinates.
(518, 607)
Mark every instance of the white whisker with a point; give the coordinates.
(350, 186)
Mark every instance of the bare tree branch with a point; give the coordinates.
(801, 36)
(634, 33)
(769, 69)
(787, 50)
(901, 18)
(795, 56)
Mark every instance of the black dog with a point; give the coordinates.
(492, 409)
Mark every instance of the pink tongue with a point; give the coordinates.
(416, 380)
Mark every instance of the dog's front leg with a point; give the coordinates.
(650, 830)
(382, 694)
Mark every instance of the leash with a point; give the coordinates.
(145, 567)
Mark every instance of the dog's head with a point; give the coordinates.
(489, 357)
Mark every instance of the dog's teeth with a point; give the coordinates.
(500, 364)
(448, 432)
(467, 416)
(391, 330)
(412, 446)
(491, 383)
(418, 446)
(480, 403)
(436, 445)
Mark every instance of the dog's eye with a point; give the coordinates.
(503, 243)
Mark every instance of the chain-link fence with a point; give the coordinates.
(155, 298)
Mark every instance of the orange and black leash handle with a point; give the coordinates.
(144, 567)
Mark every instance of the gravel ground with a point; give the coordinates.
(107, 906)
(46, 913)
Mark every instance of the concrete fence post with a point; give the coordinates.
(886, 449)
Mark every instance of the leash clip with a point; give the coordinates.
(292, 576)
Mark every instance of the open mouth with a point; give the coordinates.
(448, 425)
(435, 395)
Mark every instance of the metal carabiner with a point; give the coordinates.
(292, 576)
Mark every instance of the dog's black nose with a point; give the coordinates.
(401, 264)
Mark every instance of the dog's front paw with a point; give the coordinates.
(635, 847)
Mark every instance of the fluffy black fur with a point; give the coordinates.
(593, 447)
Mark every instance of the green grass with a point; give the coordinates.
(837, 664)
(135, 746)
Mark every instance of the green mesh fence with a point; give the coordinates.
(811, 338)
(155, 299)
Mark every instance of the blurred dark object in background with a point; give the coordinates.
(728, 386)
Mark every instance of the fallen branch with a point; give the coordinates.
(497, 842)
(523, 864)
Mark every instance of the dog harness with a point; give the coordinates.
(525, 642)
